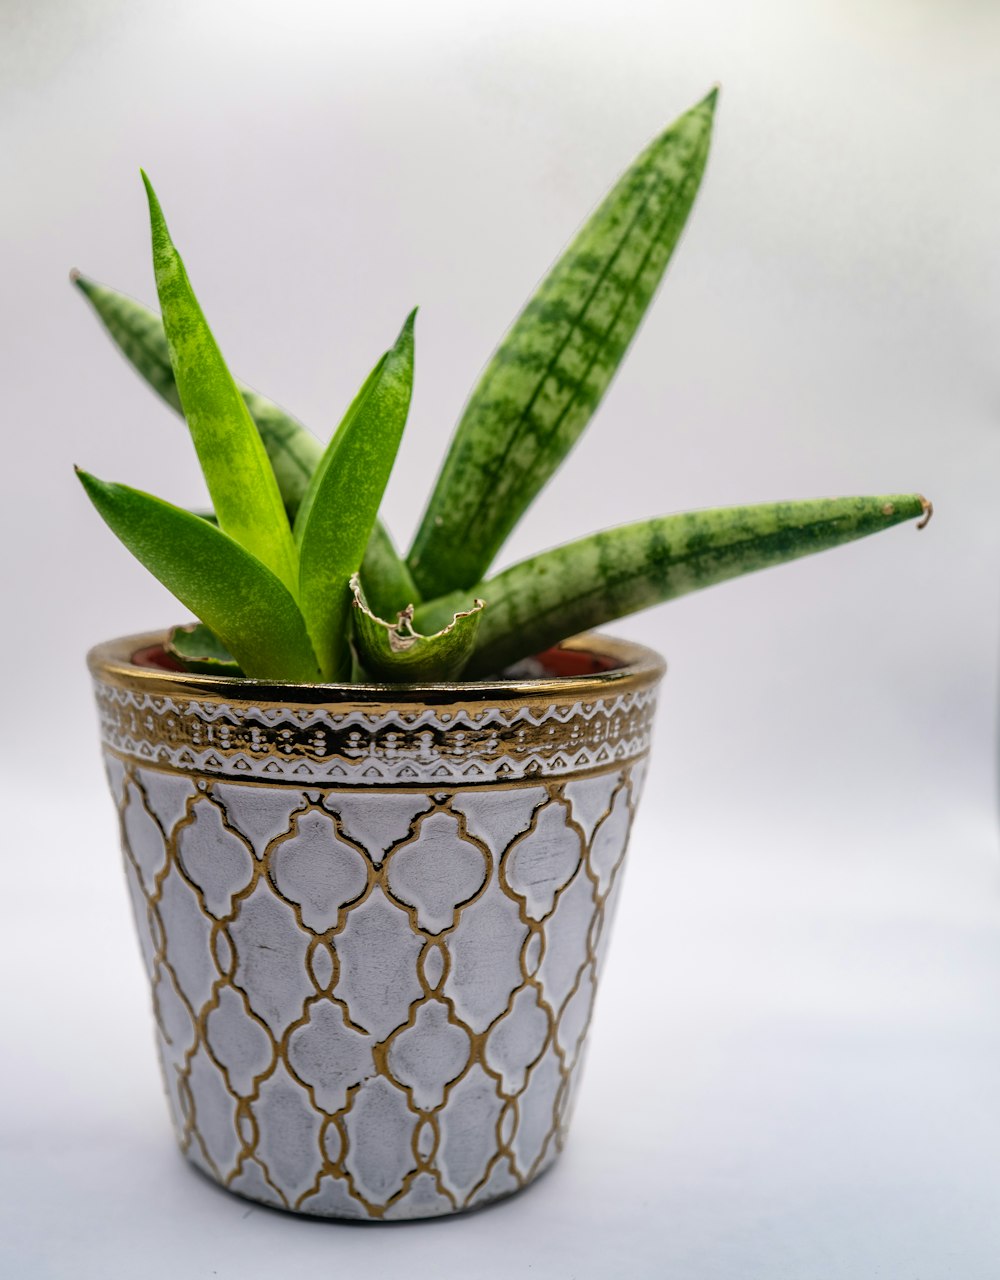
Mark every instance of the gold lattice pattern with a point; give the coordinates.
(372, 1005)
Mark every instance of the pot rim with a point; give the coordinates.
(636, 667)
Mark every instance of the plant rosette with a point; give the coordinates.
(373, 917)
(373, 901)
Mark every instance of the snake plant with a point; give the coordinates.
(291, 573)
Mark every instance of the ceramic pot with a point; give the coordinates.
(373, 917)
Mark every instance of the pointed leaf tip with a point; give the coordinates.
(406, 333)
(240, 479)
(155, 210)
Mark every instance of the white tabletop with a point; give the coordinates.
(817, 1095)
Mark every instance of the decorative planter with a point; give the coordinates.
(374, 917)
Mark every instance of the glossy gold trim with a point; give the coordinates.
(636, 668)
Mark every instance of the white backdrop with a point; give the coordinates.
(813, 903)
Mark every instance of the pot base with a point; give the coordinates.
(402, 1211)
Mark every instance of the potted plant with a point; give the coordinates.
(373, 808)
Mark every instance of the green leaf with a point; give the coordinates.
(387, 583)
(138, 333)
(339, 509)
(293, 450)
(240, 480)
(548, 375)
(197, 648)
(584, 584)
(396, 653)
(241, 600)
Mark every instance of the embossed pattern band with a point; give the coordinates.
(318, 744)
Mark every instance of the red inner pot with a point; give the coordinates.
(557, 662)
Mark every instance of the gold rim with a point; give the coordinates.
(636, 668)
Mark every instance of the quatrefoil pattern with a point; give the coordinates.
(372, 1004)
